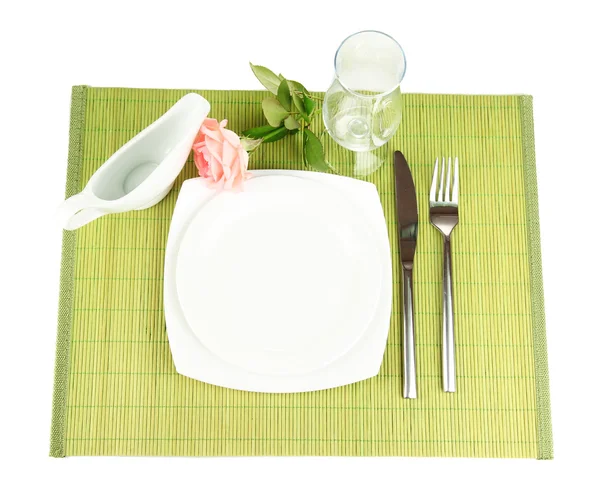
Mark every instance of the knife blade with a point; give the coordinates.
(407, 217)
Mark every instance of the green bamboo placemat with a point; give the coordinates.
(116, 389)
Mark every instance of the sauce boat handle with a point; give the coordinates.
(78, 210)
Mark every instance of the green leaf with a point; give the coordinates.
(298, 86)
(258, 132)
(297, 91)
(309, 105)
(313, 152)
(266, 77)
(274, 111)
(278, 134)
(299, 104)
(284, 96)
(291, 123)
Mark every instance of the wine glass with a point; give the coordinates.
(363, 106)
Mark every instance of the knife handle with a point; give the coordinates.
(410, 361)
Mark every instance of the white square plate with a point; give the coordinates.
(285, 287)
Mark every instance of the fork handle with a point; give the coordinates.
(410, 361)
(448, 357)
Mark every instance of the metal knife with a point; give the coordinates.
(408, 226)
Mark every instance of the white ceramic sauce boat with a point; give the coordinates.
(142, 172)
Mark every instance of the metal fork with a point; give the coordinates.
(443, 214)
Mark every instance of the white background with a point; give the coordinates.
(548, 49)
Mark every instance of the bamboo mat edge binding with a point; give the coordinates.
(542, 382)
(65, 302)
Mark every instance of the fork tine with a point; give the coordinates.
(455, 183)
(433, 182)
(448, 178)
(441, 192)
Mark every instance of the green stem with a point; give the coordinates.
(302, 144)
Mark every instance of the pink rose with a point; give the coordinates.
(220, 156)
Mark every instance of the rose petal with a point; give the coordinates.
(210, 124)
(215, 148)
(235, 167)
(231, 137)
(229, 159)
(216, 169)
(244, 159)
(238, 185)
(228, 183)
(201, 164)
(215, 135)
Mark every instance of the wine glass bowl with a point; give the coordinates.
(363, 106)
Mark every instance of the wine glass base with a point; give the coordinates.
(354, 164)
